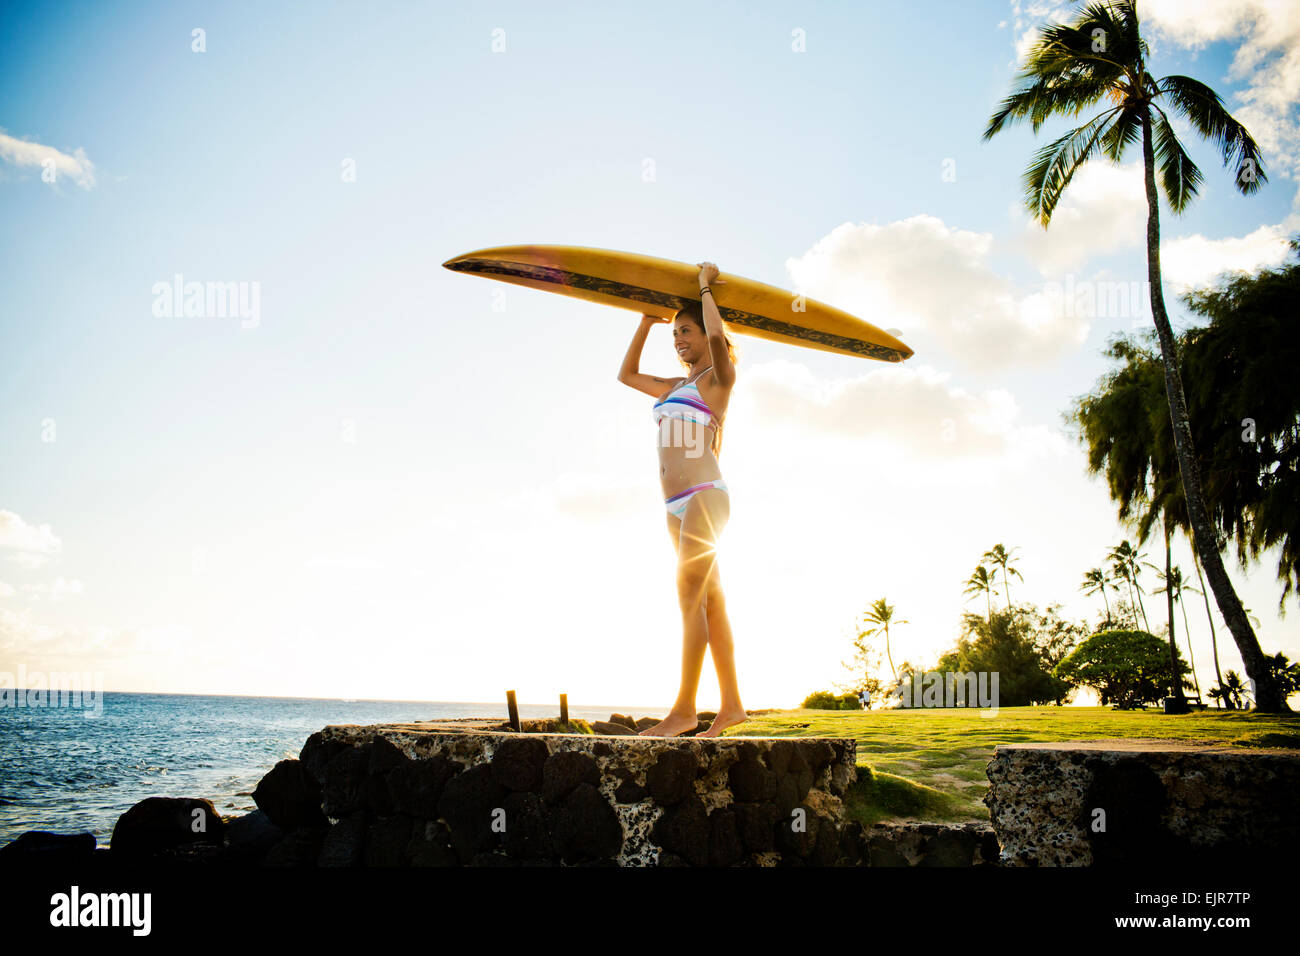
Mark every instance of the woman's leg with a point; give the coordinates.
(706, 515)
(730, 710)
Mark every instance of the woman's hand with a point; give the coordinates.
(647, 319)
(709, 275)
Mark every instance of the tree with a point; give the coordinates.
(1285, 673)
(863, 666)
(1174, 587)
(1126, 558)
(979, 581)
(1094, 580)
(1127, 668)
(881, 615)
(1124, 424)
(1001, 557)
(1022, 646)
(1214, 640)
(1238, 370)
(1071, 67)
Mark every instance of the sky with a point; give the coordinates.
(382, 479)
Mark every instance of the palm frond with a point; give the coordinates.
(1047, 96)
(1129, 18)
(1205, 111)
(1122, 43)
(1179, 176)
(1055, 164)
(1126, 130)
(1065, 50)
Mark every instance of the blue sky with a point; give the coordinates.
(397, 481)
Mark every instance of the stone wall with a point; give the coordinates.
(1133, 803)
(463, 794)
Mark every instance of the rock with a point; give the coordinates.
(251, 836)
(616, 729)
(345, 842)
(289, 796)
(684, 831)
(629, 791)
(162, 823)
(39, 846)
(625, 720)
(386, 841)
(469, 804)
(725, 848)
(300, 847)
(430, 845)
(643, 722)
(528, 829)
(343, 786)
(517, 763)
(564, 770)
(801, 840)
(751, 782)
(415, 788)
(755, 824)
(671, 779)
(1123, 803)
(585, 827)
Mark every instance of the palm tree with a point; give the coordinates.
(882, 615)
(1125, 560)
(981, 580)
(1214, 641)
(1001, 557)
(1233, 690)
(1173, 589)
(1072, 66)
(1175, 682)
(1094, 580)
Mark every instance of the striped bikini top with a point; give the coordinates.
(685, 403)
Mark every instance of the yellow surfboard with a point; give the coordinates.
(659, 287)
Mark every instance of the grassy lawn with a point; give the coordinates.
(930, 764)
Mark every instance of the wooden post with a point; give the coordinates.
(564, 708)
(514, 711)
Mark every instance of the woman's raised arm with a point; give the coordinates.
(629, 374)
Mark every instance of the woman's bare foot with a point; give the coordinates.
(725, 719)
(672, 725)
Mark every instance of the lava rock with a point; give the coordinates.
(161, 823)
(290, 796)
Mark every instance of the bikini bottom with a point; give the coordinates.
(677, 503)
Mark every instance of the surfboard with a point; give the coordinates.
(659, 287)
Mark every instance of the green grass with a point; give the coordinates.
(930, 764)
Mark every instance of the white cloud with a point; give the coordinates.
(22, 638)
(74, 166)
(34, 544)
(1194, 261)
(53, 591)
(1267, 59)
(1102, 210)
(913, 409)
(935, 284)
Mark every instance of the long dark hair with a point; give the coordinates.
(695, 312)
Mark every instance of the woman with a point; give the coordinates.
(689, 416)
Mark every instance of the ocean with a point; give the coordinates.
(65, 772)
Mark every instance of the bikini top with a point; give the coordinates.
(685, 403)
